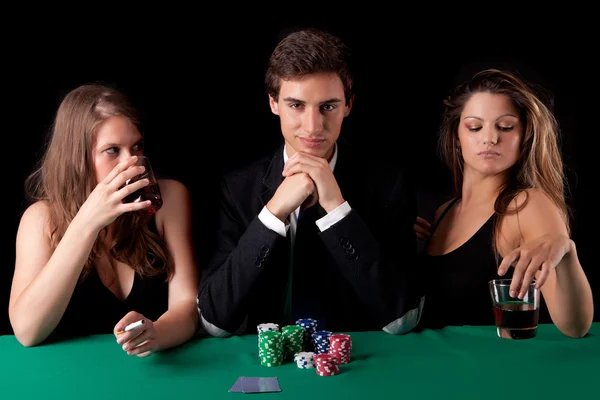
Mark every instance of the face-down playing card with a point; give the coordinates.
(248, 384)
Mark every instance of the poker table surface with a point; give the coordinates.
(455, 362)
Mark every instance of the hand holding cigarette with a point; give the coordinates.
(136, 334)
(132, 326)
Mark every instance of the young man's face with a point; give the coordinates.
(311, 110)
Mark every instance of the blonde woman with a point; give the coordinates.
(86, 261)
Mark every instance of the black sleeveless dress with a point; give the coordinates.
(94, 309)
(456, 283)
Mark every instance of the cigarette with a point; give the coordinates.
(132, 326)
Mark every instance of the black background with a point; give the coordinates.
(200, 92)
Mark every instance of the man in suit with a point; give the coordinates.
(315, 230)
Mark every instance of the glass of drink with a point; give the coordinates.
(515, 318)
(149, 192)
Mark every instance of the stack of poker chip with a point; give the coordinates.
(270, 348)
(321, 341)
(326, 365)
(310, 327)
(340, 347)
(305, 359)
(293, 340)
(267, 327)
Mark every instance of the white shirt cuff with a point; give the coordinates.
(211, 329)
(334, 216)
(406, 323)
(272, 222)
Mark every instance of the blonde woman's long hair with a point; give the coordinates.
(64, 178)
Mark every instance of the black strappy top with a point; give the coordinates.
(94, 308)
(456, 283)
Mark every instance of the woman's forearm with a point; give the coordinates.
(574, 306)
(40, 306)
(177, 325)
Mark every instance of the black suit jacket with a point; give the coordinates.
(361, 266)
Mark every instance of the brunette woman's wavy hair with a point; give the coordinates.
(65, 178)
(539, 165)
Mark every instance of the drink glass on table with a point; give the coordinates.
(515, 318)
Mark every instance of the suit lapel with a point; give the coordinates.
(343, 174)
(272, 177)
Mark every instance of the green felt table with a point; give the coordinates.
(456, 362)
